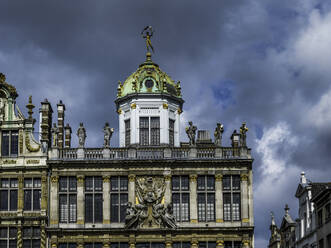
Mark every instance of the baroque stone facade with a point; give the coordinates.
(152, 191)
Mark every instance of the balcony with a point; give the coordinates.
(150, 153)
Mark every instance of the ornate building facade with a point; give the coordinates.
(152, 191)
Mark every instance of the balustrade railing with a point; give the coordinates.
(152, 153)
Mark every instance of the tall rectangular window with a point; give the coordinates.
(206, 198)
(118, 198)
(93, 200)
(93, 245)
(8, 237)
(171, 132)
(9, 144)
(149, 131)
(127, 132)
(327, 212)
(8, 194)
(32, 194)
(320, 217)
(181, 198)
(68, 199)
(31, 237)
(232, 244)
(231, 197)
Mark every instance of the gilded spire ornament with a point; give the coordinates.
(147, 34)
(30, 108)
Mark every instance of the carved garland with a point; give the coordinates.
(28, 145)
(21, 142)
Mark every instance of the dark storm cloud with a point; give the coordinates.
(237, 61)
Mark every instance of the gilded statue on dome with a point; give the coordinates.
(147, 34)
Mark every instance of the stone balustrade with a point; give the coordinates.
(153, 153)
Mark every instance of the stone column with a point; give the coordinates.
(54, 201)
(193, 199)
(106, 199)
(80, 200)
(43, 237)
(219, 197)
(132, 188)
(20, 203)
(19, 237)
(167, 193)
(244, 198)
(164, 124)
(44, 194)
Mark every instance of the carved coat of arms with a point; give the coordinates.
(149, 211)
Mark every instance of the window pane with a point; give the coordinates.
(211, 244)
(114, 245)
(89, 184)
(227, 206)
(3, 243)
(123, 183)
(185, 183)
(72, 208)
(72, 245)
(210, 183)
(14, 143)
(124, 202)
(88, 245)
(98, 183)
(157, 245)
(114, 183)
(36, 199)
(63, 208)
(97, 245)
(63, 245)
(12, 243)
(176, 205)
(72, 184)
(4, 200)
(28, 182)
(186, 244)
(236, 207)
(13, 183)
(3, 232)
(5, 183)
(144, 130)
(5, 143)
(127, 132)
(114, 207)
(36, 243)
(226, 182)
(185, 207)
(12, 232)
(211, 207)
(227, 244)
(26, 243)
(27, 232)
(142, 245)
(236, 182)
(98, 207)
(201, 207)
(36, 232)
(236, 244)
(63, 184)
(13, 200)
(201, 182)
(202, 245)
(124, 245)
(175, 183)
(88, 208)
(155, 131)
(36, 182)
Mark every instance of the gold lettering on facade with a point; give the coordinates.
(33, 161)
(6, 161)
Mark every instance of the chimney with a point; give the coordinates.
(46, 113)
(67, 135)
(60, 122)
(303, 179)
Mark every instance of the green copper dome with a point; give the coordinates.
(148, 79)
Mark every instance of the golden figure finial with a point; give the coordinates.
(147, 34)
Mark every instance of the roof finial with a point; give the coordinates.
(286, 209)
(147, 34)
(30, 107)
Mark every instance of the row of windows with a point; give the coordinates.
(119, 198)
(9, 194)
(9, 143)
(327, 214)
(31, 237)
(227, 244)
(149, 131)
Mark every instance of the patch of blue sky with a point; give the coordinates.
(223, 92)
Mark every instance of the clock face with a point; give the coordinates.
(149, 83)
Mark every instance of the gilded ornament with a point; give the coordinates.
(133, 106)
(218, 177)
(193, 178)
(6, 161)
(147, 34)
(167, 177)
(80, 179)
(194, 221)
(132, 177)
(179, 111)
(219, 221)
(220, 243)
(106, 179)
(32, 161)
(28, 145)
(119, 111)
(165, 106)
(54, 179)
(244, 177)
(245, 220)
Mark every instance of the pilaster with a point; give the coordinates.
(106, 200)
(132, 188)
(80, 200)
(244, 198)
(44, 194)
(20, 203)
(193, 199)
(219, 197)
(54, 214)
(167, 193)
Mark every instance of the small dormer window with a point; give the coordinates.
(149, 83)
(9, 144)
(149, 128)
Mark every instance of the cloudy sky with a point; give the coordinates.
(265, 62)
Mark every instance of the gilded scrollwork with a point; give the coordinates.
(28, 145)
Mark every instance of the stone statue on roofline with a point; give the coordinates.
(243, 131)
(218, 134)
(108, 132)
(81, 133)
(191, 132)
(55, 133)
